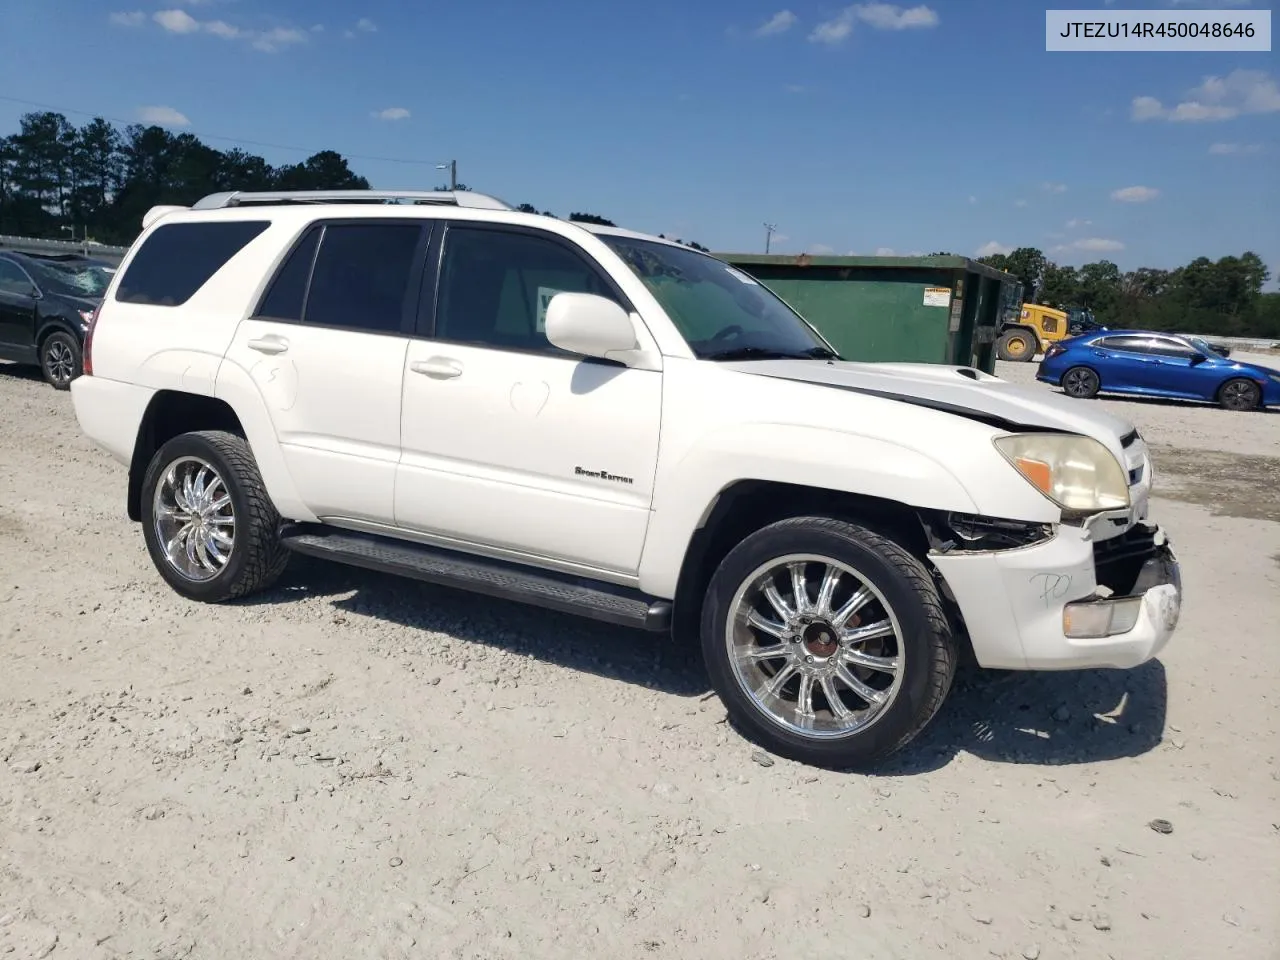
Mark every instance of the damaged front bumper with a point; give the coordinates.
(1067, 602)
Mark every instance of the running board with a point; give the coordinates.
(580, 596)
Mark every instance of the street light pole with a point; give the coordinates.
(769, 229)
(452, 167)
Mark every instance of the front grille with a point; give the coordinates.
(1118, 561)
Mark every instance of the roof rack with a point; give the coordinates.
(457, 198)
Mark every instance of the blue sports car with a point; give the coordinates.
(1157, 365)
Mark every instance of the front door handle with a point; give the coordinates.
(269, 344)
(438, 368)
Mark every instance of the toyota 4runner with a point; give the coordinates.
(613, 425)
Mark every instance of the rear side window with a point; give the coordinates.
(363, 274)
(179, 258)
(288, 292)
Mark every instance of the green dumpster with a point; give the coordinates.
(909, 309)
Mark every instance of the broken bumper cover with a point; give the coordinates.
(1068, 603)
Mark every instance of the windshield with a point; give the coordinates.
(76, 278)
(721, 312)
(1201, 345)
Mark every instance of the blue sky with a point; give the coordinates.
(859, 128)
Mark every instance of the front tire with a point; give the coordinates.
(208, 522)
(1240, 394)
(827, 642)
(1017, 346)
(60, 359)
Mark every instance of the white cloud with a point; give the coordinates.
(1073, 224)
(134, 18)
(1054, 187)
(163, 117)
(220, 28)
(1019, 203)
(1224, 149)
(992, 247)
(176, 21)
(972, 198)
(392, 113)
(880, 16)
(793, 88)
(1218, 98)
(780, 22)
(1135, 194)
(819, 250)
(885, 252)
(365, 25)
(1090, 245)
(272, 40)
(318, 28)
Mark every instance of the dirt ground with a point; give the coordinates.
(357, 766)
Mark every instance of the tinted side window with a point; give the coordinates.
(1168, 348)
(179, 258)
(13, 279)
(288, 291)
(495, 287)
(362, 276)
(1127, 344)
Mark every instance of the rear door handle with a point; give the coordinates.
(438, 368)
(269, 344)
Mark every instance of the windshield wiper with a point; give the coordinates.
(764, 353)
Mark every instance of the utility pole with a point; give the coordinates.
(452, 167)
(769, 230)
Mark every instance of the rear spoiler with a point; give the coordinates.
(155, 213)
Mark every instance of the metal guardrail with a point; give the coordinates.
(101, 251)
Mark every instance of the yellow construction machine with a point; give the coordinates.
(1036, 327)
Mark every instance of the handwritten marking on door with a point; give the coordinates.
(1052, 586)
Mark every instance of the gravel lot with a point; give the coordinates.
(357, 766)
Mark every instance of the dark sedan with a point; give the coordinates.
(1157, 365)
(45, 306)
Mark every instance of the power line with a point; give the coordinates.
(205, 136)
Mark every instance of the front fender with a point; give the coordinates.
(686, 490)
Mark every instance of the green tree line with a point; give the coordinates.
(60, 181)
(1222, 297)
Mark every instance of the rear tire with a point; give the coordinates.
(60, 359)
(208, 522)
(1017, 346)
(1240, 394)
(1081, 383)
(850, 674)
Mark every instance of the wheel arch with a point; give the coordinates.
(750, 505)
(170, 413)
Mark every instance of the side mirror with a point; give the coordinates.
(1197, 359)
(591, 325)
(35, 294)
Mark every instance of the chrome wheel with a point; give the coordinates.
(59, 361)
(194, 519)
(815, 646)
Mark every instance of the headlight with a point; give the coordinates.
(1077, 473)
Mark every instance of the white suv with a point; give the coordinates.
(614, 425)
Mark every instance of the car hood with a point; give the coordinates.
(962, 391)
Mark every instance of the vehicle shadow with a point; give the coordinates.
(632, 656)
(1051, 718)
(20, 371)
